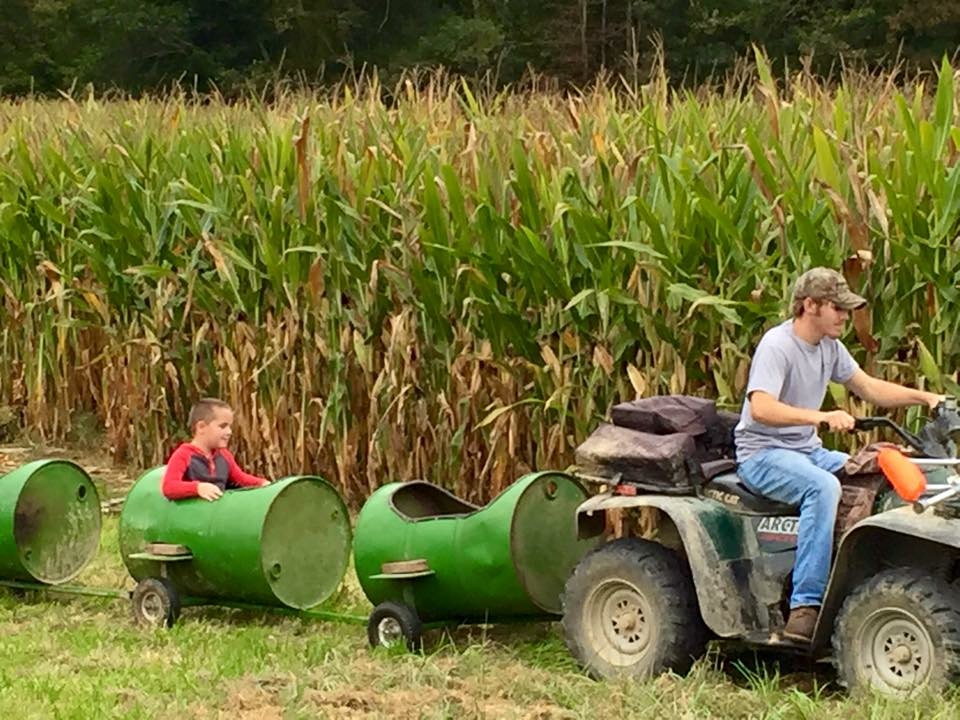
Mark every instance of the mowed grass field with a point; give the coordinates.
(80, 657)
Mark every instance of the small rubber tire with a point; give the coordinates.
(155, 603)
(899, 633)
(391, 623)
(630, 610)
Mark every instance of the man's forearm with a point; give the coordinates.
(890, 395)
(769, 411)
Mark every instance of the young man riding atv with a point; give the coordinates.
(778, 451)
(700, 546)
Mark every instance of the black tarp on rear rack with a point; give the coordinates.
(658, 444)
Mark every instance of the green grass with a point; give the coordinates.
(72, 657)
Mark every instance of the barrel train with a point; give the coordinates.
(424, 558)
(693, 555)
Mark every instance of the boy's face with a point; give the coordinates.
(215, 433)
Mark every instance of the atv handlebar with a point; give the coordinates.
(875, 423)
(936, 443)
(865, 424)
(869, 423)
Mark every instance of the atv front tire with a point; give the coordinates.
(630, 610)
(898, 633)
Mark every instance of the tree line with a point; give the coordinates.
(146, 45)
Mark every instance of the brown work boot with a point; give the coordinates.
(801, 623)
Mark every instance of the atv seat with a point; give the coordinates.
(723, 485)
(715, 468)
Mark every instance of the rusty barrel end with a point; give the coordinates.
(49, 521)
(305, 542)
(543, 537)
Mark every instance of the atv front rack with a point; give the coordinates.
(943, 491)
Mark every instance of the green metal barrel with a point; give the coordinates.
(49, 522)
(285, 544)
(508, 559)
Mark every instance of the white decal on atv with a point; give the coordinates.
(723, 497)
(778, 528)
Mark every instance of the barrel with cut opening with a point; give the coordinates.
(285, 544)
(510, 558)
(49, 522)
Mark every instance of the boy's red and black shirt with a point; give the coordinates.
(189, 466)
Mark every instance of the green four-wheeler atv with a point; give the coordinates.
(716, 561)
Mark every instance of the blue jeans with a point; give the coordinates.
(807, 480)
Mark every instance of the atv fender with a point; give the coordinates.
(895, 538)
(718, 550)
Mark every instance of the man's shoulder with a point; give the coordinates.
(779, 336)
(780, 330)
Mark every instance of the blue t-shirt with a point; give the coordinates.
(796, 373)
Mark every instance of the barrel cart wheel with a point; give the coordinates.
(393, 623)
(156, 603)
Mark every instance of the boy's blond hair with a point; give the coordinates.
(203, 411)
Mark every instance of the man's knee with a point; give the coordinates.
(827, 488)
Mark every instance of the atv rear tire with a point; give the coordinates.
(630, 610)
(897, 633)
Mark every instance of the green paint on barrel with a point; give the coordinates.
(544, 539)
(510, 558)
(285, 544)
(49, 522)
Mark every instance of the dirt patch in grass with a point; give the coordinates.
(356, 704)
(251, 700)
(410, 704)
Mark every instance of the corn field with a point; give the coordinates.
(456, 284)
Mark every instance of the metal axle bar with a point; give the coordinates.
(187, 601)
(68, 589)
(345, 618)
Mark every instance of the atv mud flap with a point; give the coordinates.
(734, 592)
(898, 537)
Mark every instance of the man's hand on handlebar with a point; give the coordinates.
(837, 421)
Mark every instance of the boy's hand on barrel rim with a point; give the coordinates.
(209, 491)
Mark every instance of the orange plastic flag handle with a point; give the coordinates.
(907, 479)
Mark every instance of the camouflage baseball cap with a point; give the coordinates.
(822, 283)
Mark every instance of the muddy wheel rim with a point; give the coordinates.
(389, 632)
(153, 608)
(619, 622)
(895, 651)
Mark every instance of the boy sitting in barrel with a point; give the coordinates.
(204, 467)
